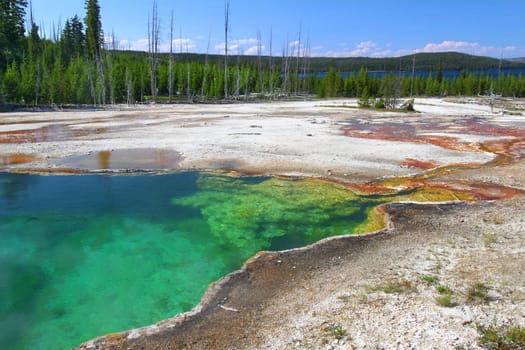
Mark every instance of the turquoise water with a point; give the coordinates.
(82, 256)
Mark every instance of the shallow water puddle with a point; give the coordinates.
(82, 256)
(16, 158)
(126, 159)
(51, 133)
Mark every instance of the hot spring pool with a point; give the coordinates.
(82, 256)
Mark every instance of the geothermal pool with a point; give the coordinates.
(86, 255)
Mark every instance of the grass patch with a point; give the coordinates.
(478, 293)
(502, 338)
(444, 290)
(444, 300)
(429, 279)
(399, 287)
(336, 330)
(445, 297)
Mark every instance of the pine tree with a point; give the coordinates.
(94, 34)
(12, 13)
(11, 83)
(73, 39)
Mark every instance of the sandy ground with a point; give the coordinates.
(286, 138)
(366, 292)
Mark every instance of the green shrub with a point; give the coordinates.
(399, 287)
(502, 338)
(338, 331)
(444, 300)
(429, 279)
(477, 293)
(380, 104)
(441, 289)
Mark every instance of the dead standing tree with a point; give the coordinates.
(170, 73)
(298, 58)
(305, 68)
(204, 85)
(226, 24)
(270, 64)
(153, 49)
(259, 63)
(285, 58)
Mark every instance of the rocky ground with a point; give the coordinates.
(429, 280)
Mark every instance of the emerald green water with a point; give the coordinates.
(82, 256)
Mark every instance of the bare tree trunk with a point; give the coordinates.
(270, 64)
(291, 80)
(109, 65)
(259, 62)
(142, 83)
(153, 46)
(101, 83)
(129, 88)
(188, 82)
(238, 75)
(306, 55)
(204, 85)
(91, 82)
(285, 59)
(226, 24)
(296, 73)
(170, 74)
(150, 53)
(38, 82)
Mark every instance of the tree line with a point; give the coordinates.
(75, 67)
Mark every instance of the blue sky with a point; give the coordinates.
(376, 28)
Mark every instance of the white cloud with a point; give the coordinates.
(364, 48)
(142, 45)
(250, 41)
(242, 46)
(254, 50)
(184, 44)
(135, 45)
(294, 43)
(462, 46)
(249, 46)
(473, 48)
(372, 49)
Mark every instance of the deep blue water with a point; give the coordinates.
(494, 73)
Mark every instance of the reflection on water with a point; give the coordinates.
(50, 133)
(142, 158)
(16, 158)
(103, 159)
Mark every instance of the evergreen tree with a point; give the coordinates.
(33, 41)
(439, 73)
(94, 34)
(11, 83)
(12, 13)
(73, 39)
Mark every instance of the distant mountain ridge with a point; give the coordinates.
(517, 59)
(423, 62)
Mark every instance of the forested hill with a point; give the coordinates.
(423, 62)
